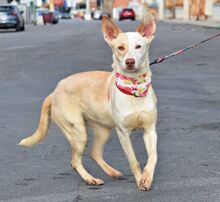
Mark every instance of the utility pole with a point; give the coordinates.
(3, 2)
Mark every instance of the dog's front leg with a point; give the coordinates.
(124, 138)
(150, 140)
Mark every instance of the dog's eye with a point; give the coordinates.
(137, 46)
(121, 48)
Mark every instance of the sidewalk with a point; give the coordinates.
(201, 23)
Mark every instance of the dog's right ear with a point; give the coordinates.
(110, 29)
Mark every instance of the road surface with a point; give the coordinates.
(188, 91)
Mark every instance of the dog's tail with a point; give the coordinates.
(43, 126)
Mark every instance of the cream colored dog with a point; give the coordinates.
(97, 99)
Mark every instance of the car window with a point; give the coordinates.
(6, 8)
(127, 9)
(80, 6)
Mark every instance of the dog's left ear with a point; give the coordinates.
(147, 27)
(110, 29)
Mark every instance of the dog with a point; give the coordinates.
(123, 99)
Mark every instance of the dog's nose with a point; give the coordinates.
(130, 62)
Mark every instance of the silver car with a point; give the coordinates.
(11, 18)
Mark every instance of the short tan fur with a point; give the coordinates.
(92, 99)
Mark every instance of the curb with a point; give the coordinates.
(207, 24)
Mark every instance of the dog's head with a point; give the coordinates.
(130, 49)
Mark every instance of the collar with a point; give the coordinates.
(137, 86)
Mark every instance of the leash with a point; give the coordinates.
(161, 59)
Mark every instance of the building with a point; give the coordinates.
(3, 2)
(87, 4)
(120, 3)
(190, 9)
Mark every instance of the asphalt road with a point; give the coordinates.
(188, 90)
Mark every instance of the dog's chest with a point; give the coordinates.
(133, 112)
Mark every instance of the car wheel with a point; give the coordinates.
(132, 19)
(18, 28)
(22, 28)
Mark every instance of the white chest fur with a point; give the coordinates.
(133, 112)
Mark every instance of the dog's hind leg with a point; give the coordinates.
(78, 142)
(76, 134)
(101, 135)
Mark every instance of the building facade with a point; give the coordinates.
(3, 2)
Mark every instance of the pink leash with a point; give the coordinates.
(161, 59)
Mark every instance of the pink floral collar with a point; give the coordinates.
(137, 87)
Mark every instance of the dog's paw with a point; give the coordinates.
(94, 182)
(145, 185)
(145, 182)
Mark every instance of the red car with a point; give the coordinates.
(127, 13)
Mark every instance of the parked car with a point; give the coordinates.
(87, 16)
(127, 13)
(79, 10)
(11, 18)
(97, 15)
(66, 15)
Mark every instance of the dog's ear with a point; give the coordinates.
(110, 29)
(147, 27)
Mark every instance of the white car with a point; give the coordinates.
(87, 16)
(97, 15)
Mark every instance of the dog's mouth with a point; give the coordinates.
(130, 67)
